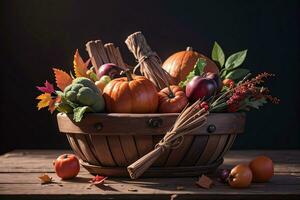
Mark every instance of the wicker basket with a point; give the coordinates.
(107, 143)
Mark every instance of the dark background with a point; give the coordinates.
(39, 35)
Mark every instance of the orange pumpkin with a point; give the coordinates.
(131, 95)
(180, 64)
(172, 100)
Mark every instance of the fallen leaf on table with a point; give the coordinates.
(45, 179)
(205, 182)
(98, 180)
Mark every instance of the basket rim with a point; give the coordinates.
(146, 124)
(145, 114)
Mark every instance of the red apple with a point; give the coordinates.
(109, 69)
(200, 88)
(216, 78)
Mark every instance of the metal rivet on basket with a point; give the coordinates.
(211, 128)
(155, 122)
(98, 126)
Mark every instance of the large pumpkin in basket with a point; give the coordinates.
(180, 64)
(131, 95)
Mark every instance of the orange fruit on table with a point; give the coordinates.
(262, 169)
(66, 166)
(240, 176)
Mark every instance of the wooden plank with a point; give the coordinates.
(41, 160)
(148, 188)
(137, 124)
(15, 185)
(83, 178)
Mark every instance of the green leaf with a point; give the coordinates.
(199, 66)
(79, 112)
(253, 103)
(218, 54)
(235, 60)
(197, 71)
(237, 74)
(63, 107)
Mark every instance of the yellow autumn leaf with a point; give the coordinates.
(80, 67)
(44, 100)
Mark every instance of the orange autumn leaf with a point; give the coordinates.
(80, 67)
(45, 100)
(45, 179)
(52, 103)
(62, 78)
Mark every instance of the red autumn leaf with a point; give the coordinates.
(98, 180)
(48, 88)
(62, 78)
(80, 67)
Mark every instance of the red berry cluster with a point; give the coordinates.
(204, 105)
(249, 88)
(238, 96)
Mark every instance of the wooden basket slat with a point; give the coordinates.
(195, 150)
(129, 148)
(164, 156)
(85, 149)
(211, 145)
(92, 148)
(117, 151)
(219, 149)
(102, 150)
(144, 144)
(228, 145)
(75, 147)
(176, 155)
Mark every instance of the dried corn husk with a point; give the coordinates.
(148, 61)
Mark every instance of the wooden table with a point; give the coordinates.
(19, 171)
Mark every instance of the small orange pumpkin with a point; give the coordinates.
(172, 100)
(131, 95)
(180, 64)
